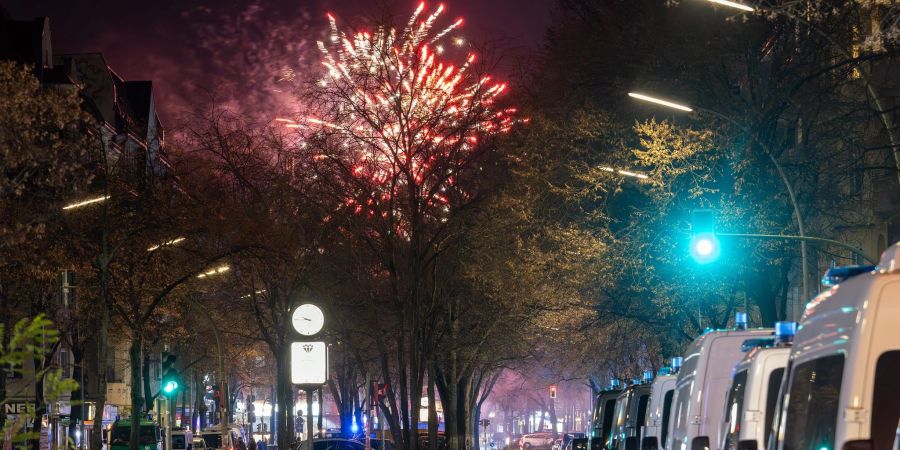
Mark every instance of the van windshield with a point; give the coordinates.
(122, 433)
(213, 440)
(811, 412)
(885, 404)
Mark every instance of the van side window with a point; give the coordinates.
(667, 409)
(811, 414)
(642, 413)
(885, 402)
(608, 414)
(733, 406)
(772, 401)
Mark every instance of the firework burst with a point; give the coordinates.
(398, 119)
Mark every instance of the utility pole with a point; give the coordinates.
(309, 419)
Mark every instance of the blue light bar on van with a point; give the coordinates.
(614, 383)
(740, 321)
(750, 344)
(676, 363)
(648, 376)
(785, 331)
(664, 371)
(837, 275)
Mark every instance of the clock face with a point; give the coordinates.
(308, 319)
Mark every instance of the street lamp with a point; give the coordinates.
(734, 5)
(82, 203)
(626, 173)
(787, 184)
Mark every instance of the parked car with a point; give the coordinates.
(199, 444)
(213, 439)
(182, 439)
(535, 440)
(333, 444)
(578, 443)
(148, 435)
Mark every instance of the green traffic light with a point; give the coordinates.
(705, 248)
(170, 386)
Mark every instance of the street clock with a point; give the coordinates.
(308, 319)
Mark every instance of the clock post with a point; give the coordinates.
(309, 358)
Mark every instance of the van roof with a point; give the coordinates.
(695, 352)
(127, 422)
(757, 354)
(831, 320)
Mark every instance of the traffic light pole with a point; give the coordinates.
(857, 251)
(224, 398)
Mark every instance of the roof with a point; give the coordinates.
(26, 41)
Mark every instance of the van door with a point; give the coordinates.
(886, 402)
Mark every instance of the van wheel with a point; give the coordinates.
(527, 445)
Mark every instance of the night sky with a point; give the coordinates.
(236, 49)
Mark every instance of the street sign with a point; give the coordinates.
(309, 363)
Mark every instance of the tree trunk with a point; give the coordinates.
(272, 418)
(321, 417)
(40, 406)
(102, 357)
(77, 411)
(137, 400)
(553, 418)
(102, 346)
(145, 377)
(4, 342)
(432, 413)
(283, 399)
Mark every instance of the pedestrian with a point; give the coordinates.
(252, 444)
(261, 445)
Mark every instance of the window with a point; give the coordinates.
(811, 412)
(147, 434)
(213, 440)
(641, 413)
(733, 406)
(775, 379)
(886, 402)
(608, 413)
(178, 441)
(667, 409)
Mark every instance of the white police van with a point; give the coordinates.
(631, 413)
(843, 388)
(602, 418)
(750, 406)
(702, 384)
(659, 410)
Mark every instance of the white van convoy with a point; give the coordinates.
(656, 424)
(844, 367)
(702, 384)
(754, 392)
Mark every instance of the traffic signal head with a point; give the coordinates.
(169, 384)
(704, 246)
(553, 391)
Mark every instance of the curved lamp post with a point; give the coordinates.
(787, 184)
(883, 111)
